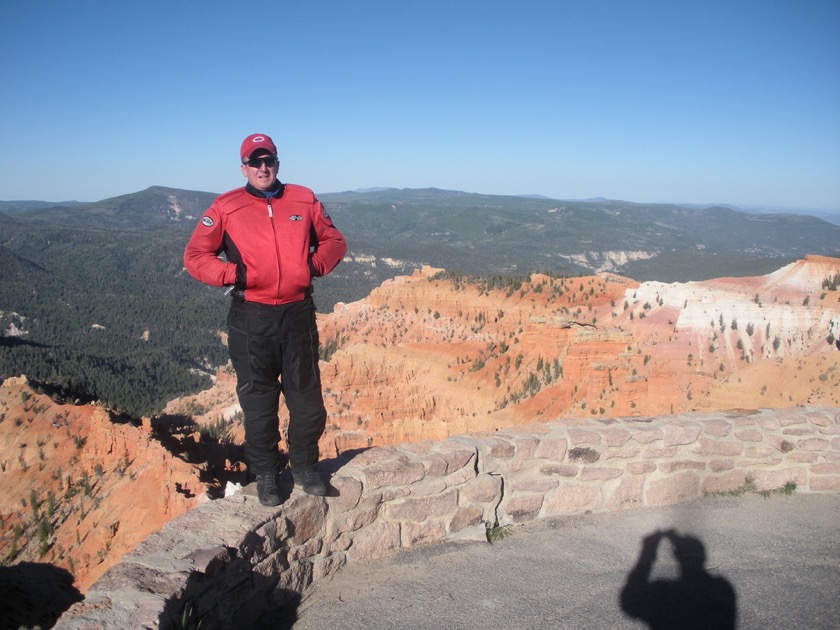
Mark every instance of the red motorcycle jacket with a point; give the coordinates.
(274, 246)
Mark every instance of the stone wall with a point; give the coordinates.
(232, 559)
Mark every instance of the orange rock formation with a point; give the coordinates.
(428, 356)
(81, 487)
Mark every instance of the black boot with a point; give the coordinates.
(310, 481)
(267, 490)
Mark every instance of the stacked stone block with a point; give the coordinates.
(233, 559)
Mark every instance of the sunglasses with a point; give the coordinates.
(257, 162)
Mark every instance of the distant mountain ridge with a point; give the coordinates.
(155, 206)
(11, 207)
(480, 234)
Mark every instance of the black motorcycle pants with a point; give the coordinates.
(274, 350)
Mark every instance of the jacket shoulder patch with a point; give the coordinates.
(206, 221)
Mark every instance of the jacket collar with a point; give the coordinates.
(279, 187)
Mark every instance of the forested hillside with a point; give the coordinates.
(481, 234)
(106, 314)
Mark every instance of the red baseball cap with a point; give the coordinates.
(256, 141)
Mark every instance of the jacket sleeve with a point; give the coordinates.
(201, 256)
(330, 245)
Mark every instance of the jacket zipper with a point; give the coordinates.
(274, 232)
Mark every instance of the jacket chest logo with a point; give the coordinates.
(295, 217)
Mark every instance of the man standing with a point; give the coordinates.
(275, 237)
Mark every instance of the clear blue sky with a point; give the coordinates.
(713, 101)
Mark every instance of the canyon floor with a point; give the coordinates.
(422, 358)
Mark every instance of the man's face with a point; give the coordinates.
(261, 170)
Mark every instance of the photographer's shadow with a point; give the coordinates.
(694, 600)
